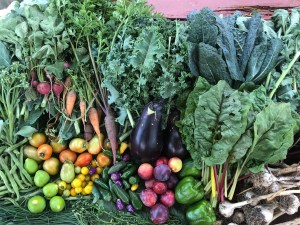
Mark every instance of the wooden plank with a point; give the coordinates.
(181, 8)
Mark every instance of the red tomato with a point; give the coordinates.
(84, 159)
(67, 155)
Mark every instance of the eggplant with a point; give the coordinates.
(173, 143)
(146, 139)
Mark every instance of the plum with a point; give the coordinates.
(162, 160)
(172, 182)
(168, 198)
(159, 187)
(159, 214)
(149, 183)
(162, 172)
(175, 164)
(148, 197)
(145, 171)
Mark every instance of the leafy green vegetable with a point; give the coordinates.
(250, 53)
(4, 55)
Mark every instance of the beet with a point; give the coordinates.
(57, 89)
(43, 88)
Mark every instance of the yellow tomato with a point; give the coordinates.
(90, 183)
(95, 176)
(81, 177)
(58, 147)
(76, 183)
(88, 189)
(78, 190)
(84, 183)
(62, 185)
(66, 193)
(73, 192)
(85, 170)
(94, 163)
(99, 170)
(37, 139)
(87, 178)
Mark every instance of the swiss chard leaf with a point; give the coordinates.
(219, 111)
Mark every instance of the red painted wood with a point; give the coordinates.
(180, 8)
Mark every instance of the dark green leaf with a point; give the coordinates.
(26, 131)
(4, 55)
(56, 69)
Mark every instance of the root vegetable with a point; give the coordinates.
(288, 204)
(43, 88)
(58, 88)
(238, 218)
(70, 102)
(111, 129)
(260, 214)
(82, 108)
(94, 119)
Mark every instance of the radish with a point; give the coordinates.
(57, 89)
(43, 88)
(34, 82)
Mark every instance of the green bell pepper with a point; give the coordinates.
(188, 169)
(201, 213)
(189, 190)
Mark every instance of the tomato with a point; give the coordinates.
(103, 160)
(44, 151)
(37, 139)
(36, 204)
(51, 166)
(57, 204)
(67, 155)
(30, 152)
(78, 145)
(106, 144)
(84, 159)
(58, 147)
(95, 145)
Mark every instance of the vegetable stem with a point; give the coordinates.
(284, 73)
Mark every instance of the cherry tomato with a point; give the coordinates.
(58, 147)
(103, 160)
(37, 139)
(44, 152)
(67, 155)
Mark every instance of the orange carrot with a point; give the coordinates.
(67, 85)
(70, 102)
(94, 119)
(82, 110)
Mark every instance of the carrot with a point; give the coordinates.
(111, 129)
(67, 85)
(94, 119)
(82, 110)
(70, 102)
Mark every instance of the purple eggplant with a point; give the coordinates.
(147, 136)
(173, 142)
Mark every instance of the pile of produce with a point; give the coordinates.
(113, 114)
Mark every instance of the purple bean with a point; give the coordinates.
(119, 204)
(92, 171)
(130, 208)
(119, 183)
(126, 157)
(115, 176)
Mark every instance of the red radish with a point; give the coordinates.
(57, 89)
(43, 88)
(111, 129)
(34, 83)
(94, 119)
(70, 102)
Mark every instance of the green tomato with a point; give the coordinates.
(57, 204)
(50, 190)
(36, 204)
(31, 166)
(41, 178)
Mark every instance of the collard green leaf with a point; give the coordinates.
(26, 131)
(202, 27)
(148, 49)
(56, 69)
(218, 120)
(52, 25)
(4, 55)
(193, 52)
(22, 30)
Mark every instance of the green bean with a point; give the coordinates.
(2, 188)
(18, 181)
(21, 168)
(10, 178)
(4, 192)
(4, 178)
